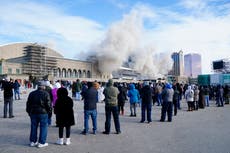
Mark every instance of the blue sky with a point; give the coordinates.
(76, 28)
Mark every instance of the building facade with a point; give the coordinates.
(27, 61)
(178, 64)
(192, 65)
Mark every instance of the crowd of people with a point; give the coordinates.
(53, 99)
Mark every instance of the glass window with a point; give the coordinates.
(9, 71)
(17, 71)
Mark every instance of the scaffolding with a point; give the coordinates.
(37, 64)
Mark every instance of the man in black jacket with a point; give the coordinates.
(7, 87)
(38, 106)
(146, 96)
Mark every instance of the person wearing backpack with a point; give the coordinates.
(189, 95)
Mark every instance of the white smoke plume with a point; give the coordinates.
(124, 41)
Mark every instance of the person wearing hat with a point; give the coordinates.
(7, 87)
(38, 106)
(111, 107)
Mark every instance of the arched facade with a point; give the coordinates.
(13, 56)
(71, 73)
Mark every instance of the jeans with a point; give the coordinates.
(8, 101)
(159, 99)
(108, 111)
(36, 120)
(78, 95)
(206, 97)
(133, 107)
(145, 107)
(93, 114)
(178, 101)
(16, 94)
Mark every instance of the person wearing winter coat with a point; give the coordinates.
(167, 97)
(122, 97)
(100, 90)
(16, 90)
(64, 114)
(7, 87)
(196, 98)
(176, 98)
(134, 97)
(220, 96)
(90, 97)
(146, 96)
(189, 95)
(38, 106)
(56, 86)
(111, 107)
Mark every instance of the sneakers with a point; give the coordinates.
(42, 145)
(67, 141)
(60, 141)
(33, 144)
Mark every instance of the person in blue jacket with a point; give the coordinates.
(134, 98)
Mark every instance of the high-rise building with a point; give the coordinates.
(178, 64)
(192, 65)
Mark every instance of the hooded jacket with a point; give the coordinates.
(167, 93)
(189, 94)
(111, 94)
(133, 94)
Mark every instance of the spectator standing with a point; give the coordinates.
(64, 114)
(220, 96)
(100, 90)
(134, 97)
(7, 87)
(167, 97)
(57, 85)
(158, 90)
(38, 107)
(78, 89)
(49, 90)
(90, 97)
(111, 107)
(146, 96)
(74, 88)
(176, 98)
(16, 90)
(122, 97)
(189, 95)
(206, 95)
(196, 97)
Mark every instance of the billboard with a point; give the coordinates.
(218, 65)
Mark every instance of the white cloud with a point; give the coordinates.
(41, 23)
(208, 34)
(200, 26)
